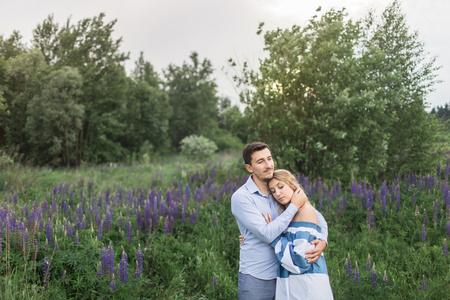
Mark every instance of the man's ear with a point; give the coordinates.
(249, 168)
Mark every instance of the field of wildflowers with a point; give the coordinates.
(165, 231)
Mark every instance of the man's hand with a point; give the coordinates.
(313, 255)
(299, 198)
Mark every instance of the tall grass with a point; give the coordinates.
(79, 233)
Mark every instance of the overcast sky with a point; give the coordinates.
(168, 31)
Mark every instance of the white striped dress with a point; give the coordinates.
(296, 278)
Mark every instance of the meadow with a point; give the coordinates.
(164, 230)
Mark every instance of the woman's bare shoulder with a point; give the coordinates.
(306, 214)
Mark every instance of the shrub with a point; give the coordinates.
(197, 147)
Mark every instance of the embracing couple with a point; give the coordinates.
(283, 235)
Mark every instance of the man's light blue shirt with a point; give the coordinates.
(257, 257)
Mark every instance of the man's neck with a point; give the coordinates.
(262, 185)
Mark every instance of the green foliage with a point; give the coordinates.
(339, 95)
(146, 115)
(89, 47)
(192, 95)
(181, 263)
(197, 147)
(55, 117)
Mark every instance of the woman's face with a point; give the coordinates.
(281, 191)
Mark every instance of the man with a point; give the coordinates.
(257, 261)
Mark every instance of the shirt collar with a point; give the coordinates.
(252, 187)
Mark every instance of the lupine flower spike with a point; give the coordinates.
(423, 234)
(357, 278)
(368, 263)
(423, 285)
(385, 278)
(373, 276)
(63, 277)
(348, 267)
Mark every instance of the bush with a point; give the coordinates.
(197, 147)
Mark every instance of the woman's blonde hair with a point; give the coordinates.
(286, 177)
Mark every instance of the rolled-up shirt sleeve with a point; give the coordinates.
(249, 216)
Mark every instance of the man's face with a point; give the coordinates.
(262, 165)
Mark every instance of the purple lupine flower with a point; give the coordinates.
(155, 217)
(398, 199)
(56, 244)
(214, 281)
(112, 285)
(423, 234)
(36, 247)
(445, 248)
(139, 263)
(193, 217)
(385, 278)
(188, 192)
(69, 229)
(63, 277)
(138, 219)
(447, 228)
(373, 277)
(425, 217)
(435, 212)
(423, 285)
(372, 220)
(103, 261)
(368, 263)
(167, 226)
(1, 238)
(129, 232)
(79, 216)
(46, 271)
(110, 258)
(348, 267)
(100, 231)
(48, 231)
(183, 210)
(120, 221)
(77, 239)
(123, 267)
(357, 276)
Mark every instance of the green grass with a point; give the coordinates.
(181, 263)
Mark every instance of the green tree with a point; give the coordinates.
(147, 114)
(330, 101)
(21, 81)
(89, 46)
(55, 118)
(405, 74)
(144, 71)
(192, 95)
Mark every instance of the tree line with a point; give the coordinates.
(67, 99)
(343, 98)
(337, 98)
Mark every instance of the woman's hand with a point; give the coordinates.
(268, 218)
(241, 239)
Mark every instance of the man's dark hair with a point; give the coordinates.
(250, 148)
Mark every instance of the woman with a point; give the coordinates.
(297, 279)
